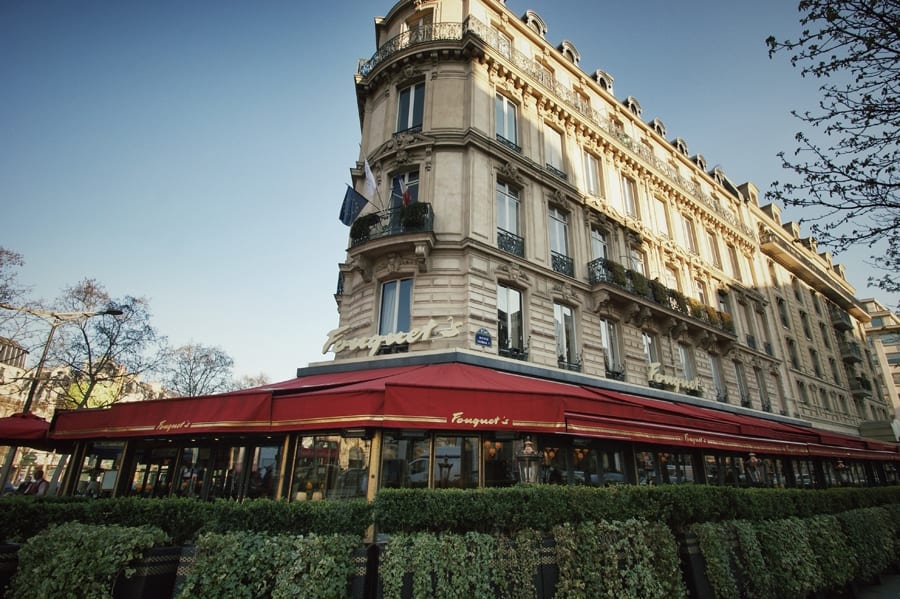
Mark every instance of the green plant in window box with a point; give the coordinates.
(660, 292)
(362, 226)
(640, 283)
(697, 310)
(413, 216)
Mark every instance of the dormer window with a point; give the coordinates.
(535, 23)
(604, 80)
(658, 126)
(700, 161)
(569, 51)
(680, 146)
(633, 105)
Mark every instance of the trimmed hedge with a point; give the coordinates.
(794, 557)
(542, 507)
(184, 519)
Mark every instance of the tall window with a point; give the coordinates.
(835, 374)
(662, 220)
(591, 174)
(763, 389)
(700, 291)
(792, 354)
(690, 236)
(804, 396)
(558, 231)
(553, 148)
(510, 335)
(396, 297)
(507, 208)
(826, 338)
(609, 339)
(566, 348)
(714, 248)
(686, 362)
(741, 377)
(735, 264)
(637, 261)
(783, 313)
(408, 182)
(599, 246)
(411, 107)
(672, 281)
(651, 350)
(804, 320)
(715, 363)
(629, 196)
(814, 358)
(506, 120)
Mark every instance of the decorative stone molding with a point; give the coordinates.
(512, 272)
(511, 172)
(566, 293)
(422, 252)
(601, 301)
(362, 265)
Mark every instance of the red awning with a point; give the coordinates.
(458, 396)
(23, 429)
(230, 412)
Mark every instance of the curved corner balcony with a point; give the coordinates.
(426, 33)
(416, 218)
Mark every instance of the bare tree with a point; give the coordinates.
(10, 290)
(248, 381)
(195, 369)
(102, 357)
(848, 177)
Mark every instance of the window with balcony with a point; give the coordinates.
(405, 189)
(508, 238)
(638, 263)
(713, 243)
(629, 196)
(592, 177)
(396, 303)
(506, 122)
(671, 278)
(553, 156)
(700, 292)
(510, 322)
(566, 347)
(690, 235)
(599, 245)
(609, 339)
(411, 106)
(558, 225)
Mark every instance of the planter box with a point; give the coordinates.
(154, 576)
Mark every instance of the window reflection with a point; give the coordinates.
(330, 467)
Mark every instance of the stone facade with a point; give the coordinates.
(547, 191)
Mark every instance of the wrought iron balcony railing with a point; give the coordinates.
(411, 37)
(415, 218)
(509, 144)
(516, 353)
(840, 319)
(573, 366)
(608, 272)
(555, 172)
(850, 351)
(510, 243)
(562, 264)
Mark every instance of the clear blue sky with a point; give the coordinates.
(196, 153)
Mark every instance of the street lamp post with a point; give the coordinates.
(56, 319)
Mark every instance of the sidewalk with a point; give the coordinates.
(888, 589)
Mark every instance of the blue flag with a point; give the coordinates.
(353, 204)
